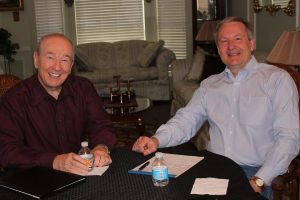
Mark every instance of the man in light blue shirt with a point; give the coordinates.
(252, 109)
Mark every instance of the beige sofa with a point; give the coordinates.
(186, 77)
(145, 63)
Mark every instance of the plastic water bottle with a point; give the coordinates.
(87, 154)
(160, 174)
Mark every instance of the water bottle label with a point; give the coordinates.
(89, 160)
(160, 172)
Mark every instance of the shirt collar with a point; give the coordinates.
(250, 67)
(39, 93)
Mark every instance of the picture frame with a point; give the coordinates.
(11, 5)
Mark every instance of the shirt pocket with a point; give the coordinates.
(253, 110)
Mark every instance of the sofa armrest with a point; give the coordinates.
(180, 68)
(162, 61)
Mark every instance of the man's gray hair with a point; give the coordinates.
(38, 47)
(247, 25)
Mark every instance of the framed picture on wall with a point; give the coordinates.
(11, 5)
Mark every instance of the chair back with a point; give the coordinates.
(7, 81)
(286, 186)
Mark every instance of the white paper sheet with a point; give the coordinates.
(177, 164)
(211, 186)
(97, 171)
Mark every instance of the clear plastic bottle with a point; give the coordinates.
(87, 154)
(160, 174)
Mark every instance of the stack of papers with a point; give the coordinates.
(177, 164)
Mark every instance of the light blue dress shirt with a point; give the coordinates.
(253, 117)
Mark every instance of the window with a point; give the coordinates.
(115, 20)
(49, 17)
(172, 25)
(109, 21)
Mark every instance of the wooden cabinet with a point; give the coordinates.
(206, 14)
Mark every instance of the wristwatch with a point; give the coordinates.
(258, 182)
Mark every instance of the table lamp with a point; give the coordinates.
(205, 35)
(207, 30)
(287, 50)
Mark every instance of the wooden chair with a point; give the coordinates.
(286, 186)
(7, 81)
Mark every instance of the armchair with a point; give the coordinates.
(7, 81)
(286, 186)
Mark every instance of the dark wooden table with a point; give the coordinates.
(117, 184)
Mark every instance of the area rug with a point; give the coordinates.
(128, 134)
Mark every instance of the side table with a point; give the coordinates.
(132, 115)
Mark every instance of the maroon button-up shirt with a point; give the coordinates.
(35, 127)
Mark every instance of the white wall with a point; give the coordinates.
(22, 33)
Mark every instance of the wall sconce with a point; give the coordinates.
(69, 3)
(289, 9)
(272, 9)
(256, 6)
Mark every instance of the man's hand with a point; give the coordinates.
(145, 145)
(102, 158)
(70, 162)
(255, 187)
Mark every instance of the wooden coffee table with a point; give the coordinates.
(129, 115)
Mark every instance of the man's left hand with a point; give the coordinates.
(255, 187)
(102, 158)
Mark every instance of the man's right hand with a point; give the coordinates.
(145, 145)
(70, 162)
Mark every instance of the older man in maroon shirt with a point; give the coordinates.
(45, 117)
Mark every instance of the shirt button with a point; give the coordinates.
(232, 116)
(230, 132)
(234, 99)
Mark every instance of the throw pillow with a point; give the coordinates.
(197, 66)
(149, 53)
(81, 61)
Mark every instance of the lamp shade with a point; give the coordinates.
(207, 30)
(287, 49)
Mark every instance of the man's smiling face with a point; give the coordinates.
(234, 45)
(54, 63)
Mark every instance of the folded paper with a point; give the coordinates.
(210, 186)
(97, 171)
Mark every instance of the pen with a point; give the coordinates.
(144, 165)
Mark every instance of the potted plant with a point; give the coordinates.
(7, 49)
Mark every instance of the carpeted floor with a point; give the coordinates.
(156, 115)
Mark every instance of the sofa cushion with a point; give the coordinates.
(136, 73)
(81, 61)
(147, 55)
(196, 69)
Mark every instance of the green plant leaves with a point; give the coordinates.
(7, 48)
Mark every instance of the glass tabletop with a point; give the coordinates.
(142, 104)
